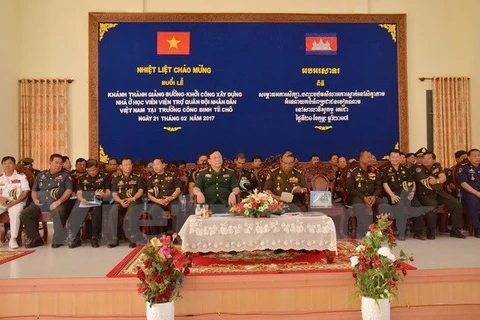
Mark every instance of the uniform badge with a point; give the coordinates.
(132, 182)
(15, 181)
(418, 170)
(208, 175)
(121, 183)
(99, 180)
(460, 170)
(226, 175)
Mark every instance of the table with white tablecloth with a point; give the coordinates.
(230, 233)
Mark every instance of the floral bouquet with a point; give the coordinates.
(376, 269)
(161, 275)
(258, 204)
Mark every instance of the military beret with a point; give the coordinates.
(420, 152)
(26, 161)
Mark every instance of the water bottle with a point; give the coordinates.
(145, 202)
(198, 210)
(183, 203)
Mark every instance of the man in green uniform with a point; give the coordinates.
(216, 185)
(94, 185)
(429, 178)
(244, 176)
(289, 180)
(365, 189)
(127, 192)
(398, 184)
(163, 191)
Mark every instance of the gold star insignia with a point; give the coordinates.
(173, 43)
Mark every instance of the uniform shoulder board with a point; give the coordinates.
(201, 170)
(298, 170)
(275, 169)
(229, 169)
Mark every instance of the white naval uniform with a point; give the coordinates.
(11, 188)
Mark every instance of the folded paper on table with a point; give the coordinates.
(286, 197)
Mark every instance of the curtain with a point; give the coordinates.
(43, 119)
(451, 117)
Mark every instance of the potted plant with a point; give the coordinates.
(376, 269)
(161, 277)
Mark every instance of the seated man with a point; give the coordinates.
(258, 173)
(14, 190)
(163, 191)
(469, 179)
(216, 185)
(127, 192)
(398, 184)
(94, 184)
(244, 176)
(287, 179)
(365, 189)
(429, 178)
(50, 192)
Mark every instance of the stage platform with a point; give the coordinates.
(68, 283)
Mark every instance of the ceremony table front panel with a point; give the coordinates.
(227, 233)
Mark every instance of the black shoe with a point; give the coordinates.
(132, 245)
(113, 245)
(233, 253)
(36, 242)
(56, 245)
(456, 233)
(75, 243)
(278, 251)
(420, 236)
(303, 251)
(95, 243)
(477, 233)
(431, 235)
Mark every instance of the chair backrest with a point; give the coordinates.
(320, 183)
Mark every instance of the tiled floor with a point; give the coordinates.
(85, 261)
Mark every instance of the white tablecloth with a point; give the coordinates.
(217, 234)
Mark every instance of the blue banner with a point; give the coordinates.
(178, 89)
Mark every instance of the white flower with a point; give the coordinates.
(354, 261)
(360, 248)
(385, 251)
(368, 234)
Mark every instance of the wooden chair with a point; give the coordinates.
(322, 183)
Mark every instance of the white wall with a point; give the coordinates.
(53, 42)
(9, 65)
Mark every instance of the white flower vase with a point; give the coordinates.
(161, 311)
(375, 309)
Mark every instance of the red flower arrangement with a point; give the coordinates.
(163, 270)
(376, 269)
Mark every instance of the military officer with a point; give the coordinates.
(28, 163)
(93, 184)
(339, 192)
(14, 190)
(127, 192)
(259, 174)
(365, 188)
(429, 178)
(244, 176)
(202, 163)
(287, 179)
(50, 192)
(452, 184)
(216, 184)
(469, 179)
(397, 182)
(164, 188)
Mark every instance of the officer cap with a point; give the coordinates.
(26, 161)
(420, 152)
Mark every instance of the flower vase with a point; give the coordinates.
(375, 309)
(161, 311)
